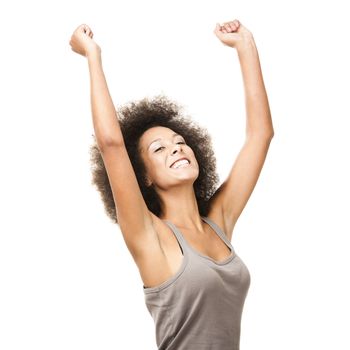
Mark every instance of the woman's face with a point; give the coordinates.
(161, 148)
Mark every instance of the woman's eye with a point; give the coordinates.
(163, 146)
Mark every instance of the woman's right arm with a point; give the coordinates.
(134, 218)
(104, 115)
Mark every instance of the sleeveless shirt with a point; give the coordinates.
(200, 307)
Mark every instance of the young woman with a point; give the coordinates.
(155, 170)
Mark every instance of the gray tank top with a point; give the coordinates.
(200, 307)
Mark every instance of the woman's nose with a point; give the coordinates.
(176, 148)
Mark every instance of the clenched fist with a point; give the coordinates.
(232, 33)
(82, 42)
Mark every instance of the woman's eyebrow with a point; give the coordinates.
(160, 139)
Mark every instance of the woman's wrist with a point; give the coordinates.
(246, 45)
(93, 52)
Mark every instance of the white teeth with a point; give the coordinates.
(180, 163)
(183, 165)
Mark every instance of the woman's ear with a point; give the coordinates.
(148, 181)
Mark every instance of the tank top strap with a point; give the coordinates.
(218, 230)
(181, 240)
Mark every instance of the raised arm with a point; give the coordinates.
(134, 218)
(235, 191)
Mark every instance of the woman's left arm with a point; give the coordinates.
(235, 191)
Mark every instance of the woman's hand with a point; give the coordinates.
(81, 41)
(233, 34)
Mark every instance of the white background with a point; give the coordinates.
(67, 278)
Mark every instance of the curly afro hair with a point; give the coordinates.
(134, 119)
